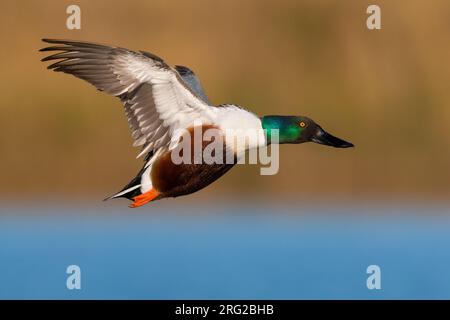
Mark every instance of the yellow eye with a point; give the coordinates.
(302, 124)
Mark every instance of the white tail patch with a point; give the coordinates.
(146, 181)
(124, 192)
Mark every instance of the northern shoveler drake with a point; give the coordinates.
(160, 100)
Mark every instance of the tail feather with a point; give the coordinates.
(133, 188)
(128, 193)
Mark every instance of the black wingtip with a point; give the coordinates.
(46, 49)
(46, 41)
(57, 41)
(54, 41)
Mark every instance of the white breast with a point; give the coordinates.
(240, 125)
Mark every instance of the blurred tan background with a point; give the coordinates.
(387, 91)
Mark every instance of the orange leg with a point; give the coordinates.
(144, 198)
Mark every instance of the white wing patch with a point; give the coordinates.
(239, 125)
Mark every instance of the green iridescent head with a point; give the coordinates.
(298, 129)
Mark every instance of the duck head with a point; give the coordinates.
(299, 129)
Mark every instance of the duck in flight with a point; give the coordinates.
(159, 101)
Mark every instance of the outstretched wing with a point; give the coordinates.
(156, 99)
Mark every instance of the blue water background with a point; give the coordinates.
(240, 252)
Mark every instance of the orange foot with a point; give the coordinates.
(144, 198)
